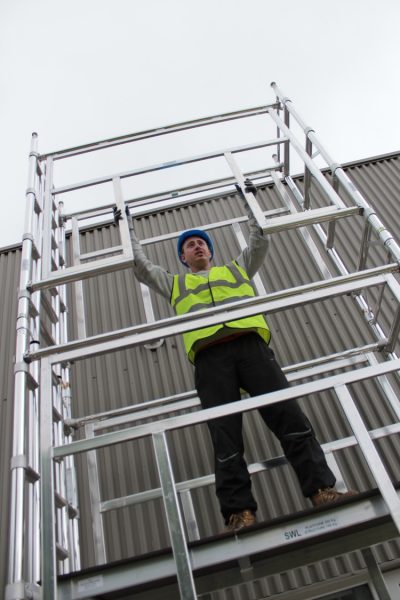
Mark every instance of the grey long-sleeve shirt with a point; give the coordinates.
(161, 281)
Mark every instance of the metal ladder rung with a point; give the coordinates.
(31, 475)
(37, 208)
(104, 252)
(60, 501)
(31, 382)
(47, 336)
(73, 511)
(57, 416)
(62, 553)
(331, 234)
(55, 246)
(309, 217)
(49, 309)
(55, 378)
(33, 311)
(54, 264)
(35, 251)
(80, 272)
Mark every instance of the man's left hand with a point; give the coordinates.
(249, 187)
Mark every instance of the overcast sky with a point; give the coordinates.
(82, 70)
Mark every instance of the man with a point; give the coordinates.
(232, 356)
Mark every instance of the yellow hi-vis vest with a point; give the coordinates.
(194, 292)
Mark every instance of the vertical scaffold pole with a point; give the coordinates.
(16, 571)
(175, 522)
(48, 517)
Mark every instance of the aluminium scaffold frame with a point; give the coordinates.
(45, 543)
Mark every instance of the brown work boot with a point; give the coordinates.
(245, 518)
(329, 495)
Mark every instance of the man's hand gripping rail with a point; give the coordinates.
(248, 193)
(117, 214)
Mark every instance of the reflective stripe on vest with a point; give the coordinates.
(193, 292)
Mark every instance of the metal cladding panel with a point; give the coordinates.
(9, 280)
(141, 374)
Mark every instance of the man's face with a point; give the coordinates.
(196, 254)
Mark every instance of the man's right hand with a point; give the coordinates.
(250, 187)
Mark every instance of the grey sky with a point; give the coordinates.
(84, 70)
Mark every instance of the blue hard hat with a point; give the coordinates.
(194, 233)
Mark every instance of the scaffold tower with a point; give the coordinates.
(46, 541)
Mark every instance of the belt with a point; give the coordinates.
(223, 340)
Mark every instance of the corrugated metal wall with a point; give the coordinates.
(9, 281)
(139, 375)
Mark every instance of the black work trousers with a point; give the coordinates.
(246, 362)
